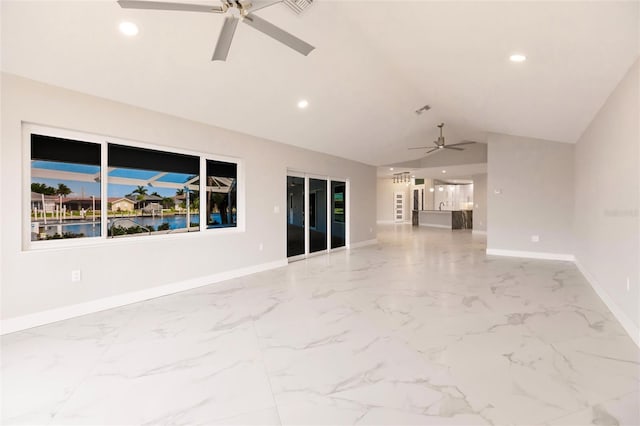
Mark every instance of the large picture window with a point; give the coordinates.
(65, 188)
(152, 192)
(94, 188)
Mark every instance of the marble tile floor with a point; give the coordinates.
(423, 328)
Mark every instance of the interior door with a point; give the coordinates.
(398, 207)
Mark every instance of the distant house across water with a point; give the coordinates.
(123, 205)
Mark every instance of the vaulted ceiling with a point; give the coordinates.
(375, 63)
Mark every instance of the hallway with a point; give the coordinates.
(422, 328)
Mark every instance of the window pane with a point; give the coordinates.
(152, 192)
(65, 188)
(222, 180)
(317, 215)
(295, 216)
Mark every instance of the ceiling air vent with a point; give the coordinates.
(298, 6)
(423, 109)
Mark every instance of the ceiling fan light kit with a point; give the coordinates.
(245, 14)
(441, 145)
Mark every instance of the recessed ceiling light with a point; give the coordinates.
(128, 28)
(413, 177)
(444, 171)
(431, 189)
(391, 168)
(517, 57)
(440, 188)
(302, 104)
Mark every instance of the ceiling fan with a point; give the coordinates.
(245, 9)
(441, 145)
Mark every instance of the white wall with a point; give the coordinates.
(607, 198)
(34, 281)
(429, 197)
(384, 200)
(480, 202)
(535, 181)
(385, 190)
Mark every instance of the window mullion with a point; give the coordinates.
(204, 198)
(104, 198)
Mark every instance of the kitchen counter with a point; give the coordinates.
(448, 219)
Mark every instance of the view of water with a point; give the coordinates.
(92, 229)
(175, 222)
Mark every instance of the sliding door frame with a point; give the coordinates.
(307, 196)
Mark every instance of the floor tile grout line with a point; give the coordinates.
(97, 361)
(590, 406)
(266, 371)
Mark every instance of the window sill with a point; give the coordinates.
(94, 242)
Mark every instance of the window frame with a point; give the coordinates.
(103, 240)
(203, 187)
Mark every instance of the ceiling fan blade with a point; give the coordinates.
(279, 34)
(261, 4)
(160, 5)
(462, 143)
(419, 147)
(431, 150)
(452, 147)
(225, 38)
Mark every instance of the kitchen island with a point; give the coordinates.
(448, 219)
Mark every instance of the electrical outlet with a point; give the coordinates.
(276, 209)
(76, 276)
(628, 284)
(535, 238)
(260, 246)
(370, 230)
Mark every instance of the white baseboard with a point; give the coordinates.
(363, 243)
(532, 254)
(24, 322)
(630, 327)
(473, 231)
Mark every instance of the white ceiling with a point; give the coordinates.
(375, 63)
(458, 171)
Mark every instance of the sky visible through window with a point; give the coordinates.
(87, 187)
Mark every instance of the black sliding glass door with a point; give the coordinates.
(338, 213)
(317, 215)
(295, 216)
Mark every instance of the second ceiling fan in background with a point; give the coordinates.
(440, 143)
(245, 14)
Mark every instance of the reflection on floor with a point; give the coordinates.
(422, 329)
